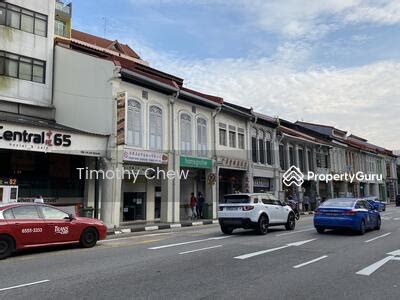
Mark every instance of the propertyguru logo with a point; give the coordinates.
(294, 176)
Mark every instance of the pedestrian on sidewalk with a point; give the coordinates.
(306, 202)
(193, 206)
(200, 204)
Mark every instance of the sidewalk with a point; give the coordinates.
(152, 226)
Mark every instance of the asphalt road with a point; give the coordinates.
(201, 263)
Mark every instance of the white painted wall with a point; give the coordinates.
(83, 91)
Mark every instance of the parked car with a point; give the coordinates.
(254, 211)
(376, 203)
(398, 200)
(351, 213)
(27, 225)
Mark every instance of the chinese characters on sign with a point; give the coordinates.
(145, 156)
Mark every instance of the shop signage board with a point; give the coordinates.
(30, 138)
(195, 162)
(145, 156)
(233, 163)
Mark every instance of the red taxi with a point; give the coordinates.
(28, 225)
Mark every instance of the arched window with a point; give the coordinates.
(186, 134)
(155, 128)
(202, 137)
(134, 123)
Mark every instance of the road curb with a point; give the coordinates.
(118, 231)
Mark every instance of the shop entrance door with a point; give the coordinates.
(134, 206)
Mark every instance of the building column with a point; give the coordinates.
(111, 196)
(90, 184)
(211, 195)
(150, 200)
(167, 195)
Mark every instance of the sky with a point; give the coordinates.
(334, 62)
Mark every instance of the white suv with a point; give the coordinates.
(256, 211)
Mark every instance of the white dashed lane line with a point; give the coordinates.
(378, 237)
(297, 231)
(201, 249)
(23, 285)
(189, 242)
(310, 262)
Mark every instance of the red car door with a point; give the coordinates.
(59, 226)
(27, 226)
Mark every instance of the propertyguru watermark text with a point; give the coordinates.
(149, 173)
(359, 176)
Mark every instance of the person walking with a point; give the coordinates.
(193, 206)
(200, 205)
(306, 202)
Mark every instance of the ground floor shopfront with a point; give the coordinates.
(154, 196)
(48, 162)
(233, 176)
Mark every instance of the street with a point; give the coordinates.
(201, 263)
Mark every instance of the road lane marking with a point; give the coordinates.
(23, 285)
(201, 249)
(396, 219)
(378, 237)
(372, 268)
(293, 232)
(249, 255)
(386, 218)
(135, 237)
(310, 262)
(189, 242)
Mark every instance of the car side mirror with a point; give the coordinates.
(71, 217)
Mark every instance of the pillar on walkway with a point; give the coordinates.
(110, 195)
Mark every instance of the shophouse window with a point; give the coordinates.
(254, 145)
(135, 123)
(23, 19)
(291, 156)
(261, 148)
(155, 128)
(241, 138)
(268, 148)
(282, 156)
(17, 66)
(202, 137)
(310, 160)
(186, 133)
(222, 134)
(301, 160)
(232, 136)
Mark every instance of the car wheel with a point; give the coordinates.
(378, 224)
(226, 229)
(262, 226)
(6, 246)
(291, 222)
(361, 231)
(320, 229)
(89, 238)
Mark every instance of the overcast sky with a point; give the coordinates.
(335, 62)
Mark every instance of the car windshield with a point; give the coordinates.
(237, 199)
(339, 202)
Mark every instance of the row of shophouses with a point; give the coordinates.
(71, 103)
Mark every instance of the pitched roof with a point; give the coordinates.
(104, 43)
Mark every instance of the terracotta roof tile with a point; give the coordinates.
(104, 43)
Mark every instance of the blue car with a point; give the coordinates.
(346, 213)
(378, 205)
